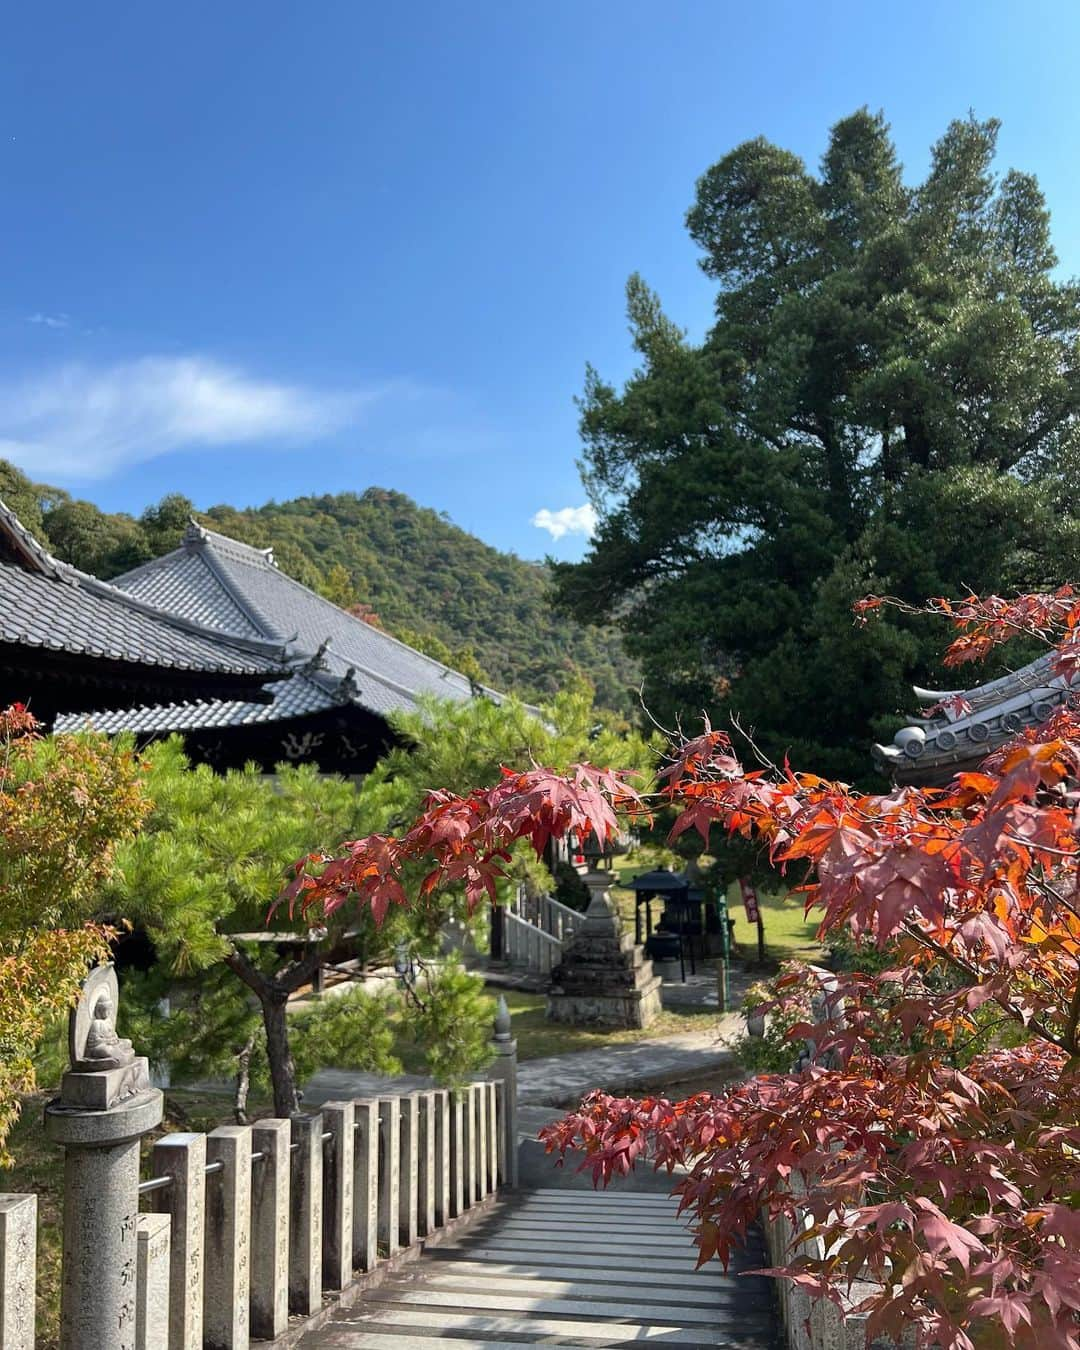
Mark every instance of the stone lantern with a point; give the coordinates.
(603, 978)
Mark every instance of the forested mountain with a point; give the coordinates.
(403, 566)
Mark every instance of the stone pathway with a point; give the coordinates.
(562, 1268)
(562, 1080)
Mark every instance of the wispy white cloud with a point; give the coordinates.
(567, 520)
(88, 422)
(50, 320)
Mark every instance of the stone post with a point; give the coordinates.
(504, 1071)
(338, 1176)
(365, 1241)
(227, 1287)
(183, 1158)
(491, 1093)
(152, 1286)
(270, 1229)
(18, 1270)
(410, 1169)
(305, 1214)
(426, 1162)
(389, 1172)
(456, 1152)
(480, 1133)
(468, 1146)
(441, 1127)
(105, 1106)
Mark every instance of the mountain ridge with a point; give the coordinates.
(408, 568)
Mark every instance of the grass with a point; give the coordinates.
(537, 1037)
(787, 934)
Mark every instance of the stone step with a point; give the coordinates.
(549, 1240)
(481, 1278)
(592, 1309)
(357, 1339)
(555, 1254)
(660, 1223)
(627, 1199)
(709, 1278)
(441, 1321)
(593, 1228)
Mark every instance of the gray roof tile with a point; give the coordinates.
(229, 585)
(47, 604)
(293, 697)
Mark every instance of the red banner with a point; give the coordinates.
(749, 899)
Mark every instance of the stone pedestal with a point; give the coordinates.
(604, 979)
(101, 1203)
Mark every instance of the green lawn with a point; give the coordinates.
(787, 933)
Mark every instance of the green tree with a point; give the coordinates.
(888, 400)
(103, 545)
(209, 862)
(337, 586)
(66, 803)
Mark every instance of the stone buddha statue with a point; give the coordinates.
(104, 1048)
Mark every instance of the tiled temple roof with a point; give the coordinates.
(972, 723)
(47, 606)
(224, 584)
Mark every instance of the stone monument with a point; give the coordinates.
(603, 979)
(105, 1106)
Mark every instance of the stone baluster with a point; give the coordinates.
(338, 1175)
(305, 1214)
(270, 1229)
(365, 1241)
(442, 1156)
(479, 1114)
(456, 1152)
(18, 1270)
(504, 1070)
(183, 1158)
(426, 1164)
(389, 1172)
(492, 1102)
(105, 1106)
(468, 1147)
(227, 1287)
(410, 1142)
(152, 1283)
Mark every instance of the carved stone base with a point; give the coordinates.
(106, 1087)
(635, 1008)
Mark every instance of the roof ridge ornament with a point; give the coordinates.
(317, 660)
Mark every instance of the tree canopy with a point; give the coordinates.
(67, 804)
(928, 1143)
(886, 401)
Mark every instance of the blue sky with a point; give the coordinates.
(258, 250)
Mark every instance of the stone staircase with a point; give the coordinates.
(562, 1268)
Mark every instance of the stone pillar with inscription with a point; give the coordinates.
(106, 1105)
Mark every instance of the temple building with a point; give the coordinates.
(346, 676)
(968, 724)
(70, 643)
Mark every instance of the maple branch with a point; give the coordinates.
(977, 976)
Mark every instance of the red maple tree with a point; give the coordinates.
(931, 1146)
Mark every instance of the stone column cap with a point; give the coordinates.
(134, 1116)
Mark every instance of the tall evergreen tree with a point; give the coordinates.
(887, 400)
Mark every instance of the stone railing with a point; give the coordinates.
(527, 946)
(546, 913)
(536, 930)
(250, 1233)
